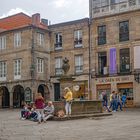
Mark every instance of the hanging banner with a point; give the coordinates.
(113, 65)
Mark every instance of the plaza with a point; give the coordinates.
(123, 125)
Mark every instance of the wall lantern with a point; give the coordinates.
(92, 73)
(137, 77)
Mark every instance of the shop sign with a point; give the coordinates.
(113, 79)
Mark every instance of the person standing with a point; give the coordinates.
(123, 98)
(119, 103)
(114, 101)
(105, 101)
(39, 104)
(68, 98)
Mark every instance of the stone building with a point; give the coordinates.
(88, 55)
(70, 41)
(115, 41)
(24, 59)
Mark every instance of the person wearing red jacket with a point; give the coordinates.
(39, 104)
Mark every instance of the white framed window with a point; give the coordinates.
(58, 41)
(17, 68)
(3, 70)
(17, 39)
(58, 66)
(78, 38)
(2, 42)
(40, 65)
(40, 39)
(79, 64)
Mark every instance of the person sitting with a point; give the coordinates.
(33, 114)
(48, 111)
(24, 111)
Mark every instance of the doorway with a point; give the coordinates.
(57, 91)
(18, 96)
(5, 97)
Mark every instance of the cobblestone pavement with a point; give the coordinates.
(120, 126)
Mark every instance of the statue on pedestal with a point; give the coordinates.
(65, 65)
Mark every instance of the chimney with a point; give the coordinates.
(36, 19)
(45, 21)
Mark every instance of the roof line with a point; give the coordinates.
(15, 15)
(68, 22)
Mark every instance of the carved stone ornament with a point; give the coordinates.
(65, 65)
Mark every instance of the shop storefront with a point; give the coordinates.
(126, 89)
(122, 84)
(103, 88)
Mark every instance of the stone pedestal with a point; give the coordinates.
(65, 81)
(81, 107)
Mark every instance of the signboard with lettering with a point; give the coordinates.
(113, 79)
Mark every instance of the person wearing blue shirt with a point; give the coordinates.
(123, 99)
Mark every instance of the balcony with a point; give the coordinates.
(58, 71)
(78, 43)
(124, 69)
(101, 40)
(58, 46)
(102, 72)
(78, 69)
(120, 70)
(124, 36)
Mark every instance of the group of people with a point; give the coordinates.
(38, 111)
(117, 101)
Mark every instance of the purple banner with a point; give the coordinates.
(112, 67)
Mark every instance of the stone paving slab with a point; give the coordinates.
(123, 125)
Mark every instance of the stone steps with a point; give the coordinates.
(81, 116)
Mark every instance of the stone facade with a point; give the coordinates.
(119, 81)
(70, 51)
(93, 66)
(15, 88)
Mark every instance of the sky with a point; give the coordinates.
(56, 11)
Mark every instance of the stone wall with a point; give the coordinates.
(81, 107)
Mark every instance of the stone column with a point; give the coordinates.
(11, 99)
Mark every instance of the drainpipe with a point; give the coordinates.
(32, 67)
(89, 43)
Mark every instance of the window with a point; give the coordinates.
(101, 35)
(58, 66)
(124, 31)
(79, 64)
(2, 42)
(132, 2)
(17, 39)
(40, 39)
(2, 70)
(78, 38)
(96, 4)
(124, 60)
(117, 1)
(102, 63)
(58, 41)
(40, 65)
(17, 69)
(104, 3)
